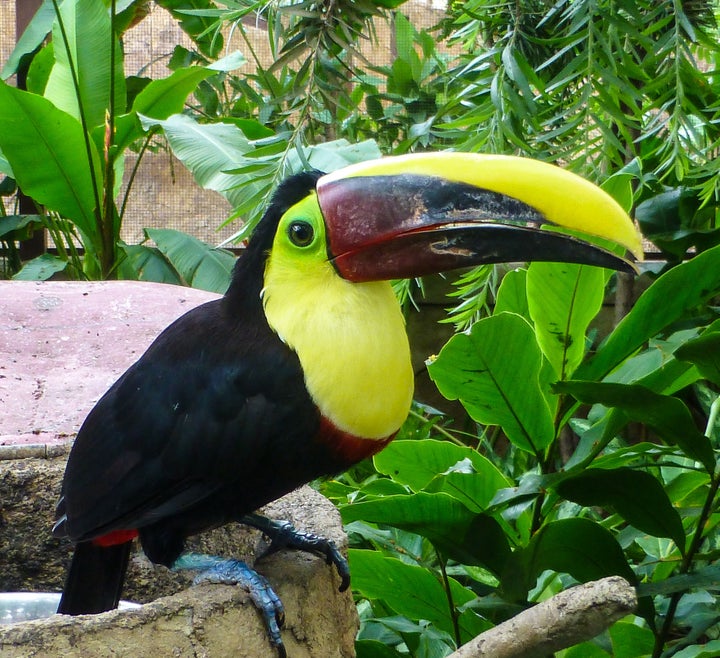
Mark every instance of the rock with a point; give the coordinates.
(208, 620)
(62, 344)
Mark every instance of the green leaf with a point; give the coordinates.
(208, 151)
(495, 372)
(458, 533)
(418, 463)
(635, 495)
(199, 28)
(669, 299)
(374, 107)
(41, 268)
(685, 485)
(199, 264)
(5, 167)
(666, 415)
(162, 98)
(8, 185)
(586, 650)
(34, 34)
(46, 149)
(563, 299)
(159, 99)
(619, 185)
(475, 487)
(673, 220)
(657, 367)
(512, 294)
(230, 62)
(90, 43)
(513, 61)
(577, 546)
(710, 649)
(19, 227)
(379, 487)
(374, 649)
(251, 128)
(404, 33)
(144, 263)
(339, 153)
(704, 352)
(630, 640)
(40, 68)
(706, 577)
(389, 4)
(409, 590)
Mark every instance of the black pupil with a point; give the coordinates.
(301, 234)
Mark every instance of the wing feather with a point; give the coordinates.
(205, 414)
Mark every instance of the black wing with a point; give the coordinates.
(212, 417)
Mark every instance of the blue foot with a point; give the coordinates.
(234, 572)
(283, 535)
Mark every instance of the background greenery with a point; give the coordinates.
(578, 454)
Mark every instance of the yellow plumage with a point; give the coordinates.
(350, 337)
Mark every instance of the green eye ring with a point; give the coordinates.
(301, 233)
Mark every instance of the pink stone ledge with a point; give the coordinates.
(62, 344)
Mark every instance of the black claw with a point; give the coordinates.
(344, 572)
(283, 535)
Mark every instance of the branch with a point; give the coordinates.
(568, 618)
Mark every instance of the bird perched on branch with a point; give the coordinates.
(303, 367)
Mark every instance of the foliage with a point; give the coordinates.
(499, 532)
(597, 86)
(601, 87)
(223, 159)
(64, 138)
(58, 130)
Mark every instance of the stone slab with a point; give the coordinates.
(62, 344)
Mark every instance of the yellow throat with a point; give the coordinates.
(350, 339)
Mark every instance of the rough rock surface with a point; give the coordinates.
(209, 620)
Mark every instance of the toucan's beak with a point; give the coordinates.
(407, 216)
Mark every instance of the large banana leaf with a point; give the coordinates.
(85, 45)
(198, 264)
(159, 99)
(46, 149)
(31, 38)
(208, 151)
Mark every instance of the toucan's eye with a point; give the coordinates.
(301, 233)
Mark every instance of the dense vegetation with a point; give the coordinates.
(590, 454)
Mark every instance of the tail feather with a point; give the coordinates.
(95, 579)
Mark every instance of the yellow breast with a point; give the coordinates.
(351, 341)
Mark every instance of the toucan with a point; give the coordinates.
(303, 367)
